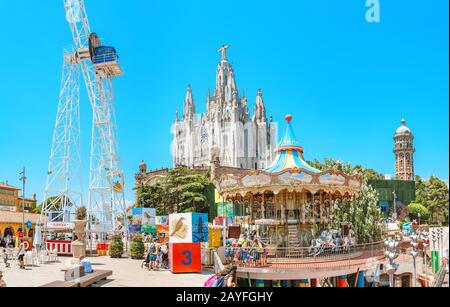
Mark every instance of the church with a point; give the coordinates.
(226, 131)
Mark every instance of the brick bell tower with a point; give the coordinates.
(404, 153)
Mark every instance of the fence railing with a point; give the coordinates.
(105, 58)
(292, 256)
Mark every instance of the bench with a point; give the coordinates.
(93, 278)
(83, 282)
(61, 284)
(73, 273)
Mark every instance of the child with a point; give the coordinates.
(228, 254)
(153, 251)
(237, 254)
(5, 258)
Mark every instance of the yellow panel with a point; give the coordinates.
(290, 163)
(217, 197)
(214, 237)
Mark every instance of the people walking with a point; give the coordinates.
(21, 254)
(5, 258)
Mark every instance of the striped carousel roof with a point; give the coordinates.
(290, 153)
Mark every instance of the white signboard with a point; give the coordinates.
(60, 225)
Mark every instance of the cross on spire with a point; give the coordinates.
(223, 50)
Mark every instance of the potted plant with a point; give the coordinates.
(137, 248)
(116, 247)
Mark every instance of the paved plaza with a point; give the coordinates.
(126, 273)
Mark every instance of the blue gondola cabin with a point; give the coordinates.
(106, 60)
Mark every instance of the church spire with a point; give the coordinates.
(189, 104)
(225, 80)
(260, 108)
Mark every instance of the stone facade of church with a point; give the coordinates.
(226, 130)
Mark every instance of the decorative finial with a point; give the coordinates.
(289, 118)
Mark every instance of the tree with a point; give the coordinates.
(181, 190)
(401, 211)
(50, 200)
(433, 194)
(347, 168)
(153, 196)
(414, 210)
(363, 213)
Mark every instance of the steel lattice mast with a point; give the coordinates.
(106, 197)
(63, 190)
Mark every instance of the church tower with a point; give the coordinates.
(226, 128)
(404, 153)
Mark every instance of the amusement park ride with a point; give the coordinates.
(63, 193)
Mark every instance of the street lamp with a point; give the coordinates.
(414, 253)
(394, 215)
(23, 178)
(391, 254)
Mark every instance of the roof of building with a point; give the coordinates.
(403, 129)
(290, 153)
(8, 187)
(16, 217)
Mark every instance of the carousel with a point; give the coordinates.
(289, 204)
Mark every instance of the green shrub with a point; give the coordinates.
(137, 248)
(414, 210)
(116, 247)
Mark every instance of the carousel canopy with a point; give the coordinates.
(289, 154)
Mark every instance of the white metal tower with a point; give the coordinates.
(98, 65)
(63, 190)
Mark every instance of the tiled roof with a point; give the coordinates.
(16, 217)
(8, 187)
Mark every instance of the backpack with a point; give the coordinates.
(210, 282)
(219, 282)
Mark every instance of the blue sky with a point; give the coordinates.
(345, 81)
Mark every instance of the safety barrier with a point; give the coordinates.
(292, 256)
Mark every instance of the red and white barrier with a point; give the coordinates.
(64, 248)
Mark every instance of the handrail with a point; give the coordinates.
(104, 58)
(275, 256)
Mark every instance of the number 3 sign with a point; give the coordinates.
(185, 258)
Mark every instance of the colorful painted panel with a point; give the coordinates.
(162, 220)
(215, 235)
(199, 227)
(180, 228)
(149, 229)
(185, 258)
(134, 228)
(146, 216)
